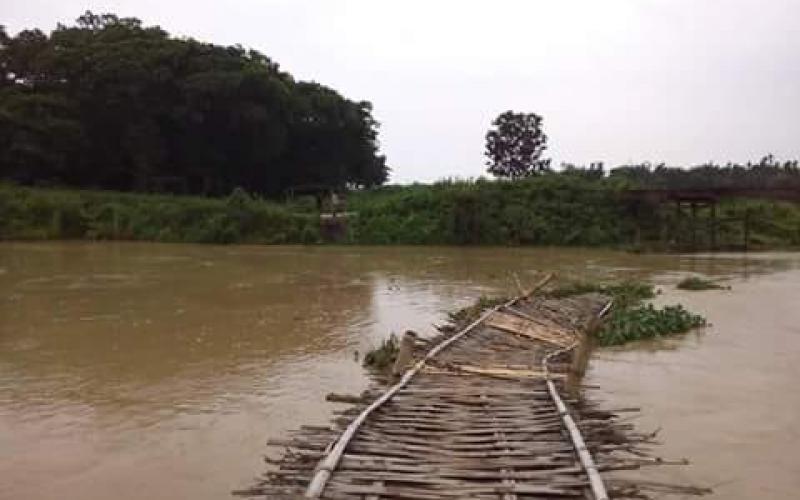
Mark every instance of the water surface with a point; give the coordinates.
(133, 370)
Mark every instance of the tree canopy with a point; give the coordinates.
(109, 103)
(767, 173)
(514, 145)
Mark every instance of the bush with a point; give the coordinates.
(545, 210)
(34, 213)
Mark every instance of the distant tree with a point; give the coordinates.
(514, 145)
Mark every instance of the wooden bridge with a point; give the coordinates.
(491, 411)
(697, 199)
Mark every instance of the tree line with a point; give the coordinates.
(109, 103)
(516, 142)
(766, 173)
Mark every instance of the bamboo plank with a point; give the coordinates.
(529, 329)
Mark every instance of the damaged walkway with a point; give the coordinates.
(484, 413)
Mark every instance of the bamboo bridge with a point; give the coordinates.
(492, 410)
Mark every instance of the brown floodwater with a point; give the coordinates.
(133, 370)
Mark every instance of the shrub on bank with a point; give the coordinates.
(551, 209)
(34, 213)
(545, 210)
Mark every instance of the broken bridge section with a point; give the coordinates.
(482, 414)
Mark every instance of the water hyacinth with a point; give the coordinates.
(630, 319)
(696, 284)
(643, 322)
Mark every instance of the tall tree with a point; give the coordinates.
(111, 103)
(514, 145)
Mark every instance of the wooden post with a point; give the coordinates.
(581, 354)
(637, 228)
(580, 362)
(746, 228)
(713, 223)
(663, 229)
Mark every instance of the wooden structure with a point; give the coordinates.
(689, 202)
(479, 415)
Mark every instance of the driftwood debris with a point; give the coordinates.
(479, 415)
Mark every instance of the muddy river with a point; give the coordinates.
(134, 371)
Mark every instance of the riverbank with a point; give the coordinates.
(55, 214)
(551, 210)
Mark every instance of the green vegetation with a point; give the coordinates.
(382, 357)
(27, 213)
(551, 209)
(625, 293)
(630, 318)
(766, 173)
(696, 284)
(468, 314)
(644, 322)
(109, 103)
(514, 146)
(557, 209)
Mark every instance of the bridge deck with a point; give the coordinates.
(476, 420)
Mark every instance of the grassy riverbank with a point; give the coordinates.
(553, 209)
(548, 210)
(41, 214)
(562, 210)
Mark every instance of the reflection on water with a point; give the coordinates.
(159, 371)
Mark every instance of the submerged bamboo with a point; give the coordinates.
(479, 415)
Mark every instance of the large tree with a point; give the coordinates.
(111, 103)
(514, 145)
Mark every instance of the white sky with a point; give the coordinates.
(681, 81)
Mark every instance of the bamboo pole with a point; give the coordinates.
(595, 480)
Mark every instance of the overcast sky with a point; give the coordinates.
(681, 81)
